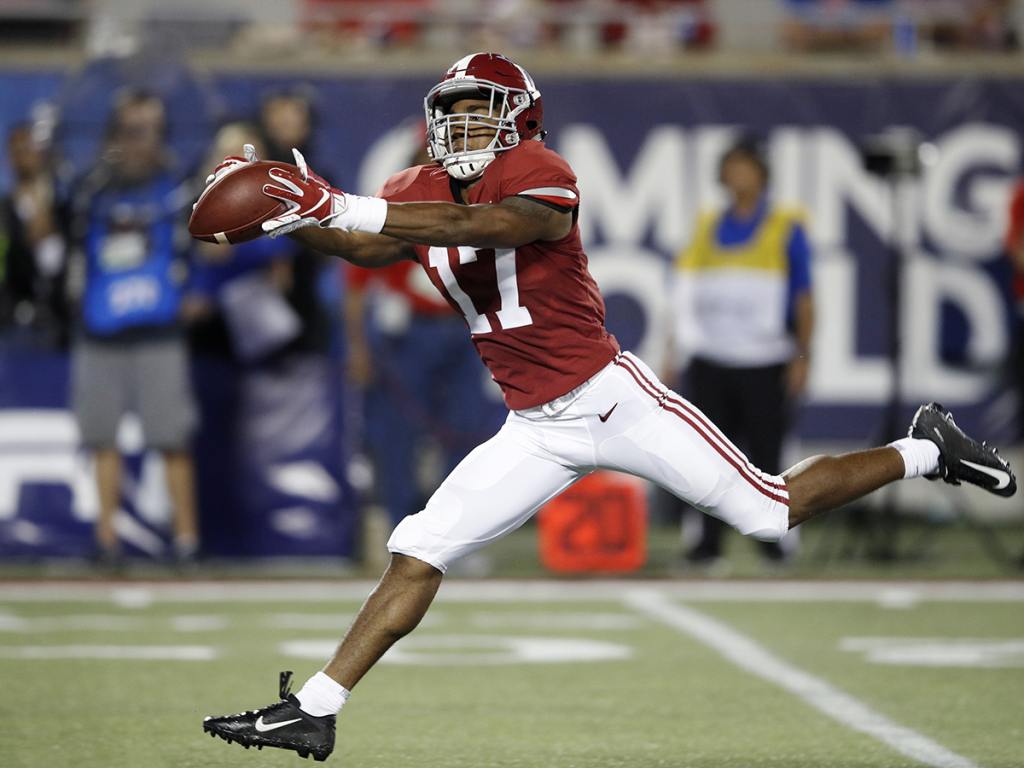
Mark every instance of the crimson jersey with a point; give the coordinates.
(534, 312)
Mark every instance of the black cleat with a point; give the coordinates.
(282, 725)
(962, 458)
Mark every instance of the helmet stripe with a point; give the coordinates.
(459, 67)
(530, 85)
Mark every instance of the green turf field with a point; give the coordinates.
(569, 674)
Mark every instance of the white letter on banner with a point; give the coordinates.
(838, 374)
(976, 231)
(41, 446)
(841, 180)
(788, 176)
(623, 207)
(973, 293)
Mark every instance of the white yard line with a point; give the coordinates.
(110, 652)
(754, 658)
(142, 594)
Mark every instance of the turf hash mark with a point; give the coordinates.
(826, 698)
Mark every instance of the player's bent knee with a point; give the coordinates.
(768, 534)
(764, 523)
(755, 506)
(413, 541)
(413, 568)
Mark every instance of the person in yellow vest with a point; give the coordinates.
(745, 319)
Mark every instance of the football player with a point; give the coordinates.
(493, 221)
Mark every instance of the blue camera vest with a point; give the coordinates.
(133, 278)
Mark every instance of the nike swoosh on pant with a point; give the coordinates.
(1002, 478)
(264, 727)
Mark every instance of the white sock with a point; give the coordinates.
(321, 696)
(920, 457)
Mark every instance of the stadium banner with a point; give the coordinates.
(646, 152)
(268, 454)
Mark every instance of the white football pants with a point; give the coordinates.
(623, 419)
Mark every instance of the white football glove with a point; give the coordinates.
(312, 201)
(228, 165)
(232, 163)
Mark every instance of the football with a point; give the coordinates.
(231, 209)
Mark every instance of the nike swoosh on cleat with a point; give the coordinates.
(938, 434)
(1001, 477)
(264, 727)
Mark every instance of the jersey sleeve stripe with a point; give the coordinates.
(559, 192)
(562, 206)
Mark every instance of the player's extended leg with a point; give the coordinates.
(935, 448)
(821, 483)
(493, 491)
(666, 439)
(305, 723)
(392, 610)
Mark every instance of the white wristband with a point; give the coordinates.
(358, 214)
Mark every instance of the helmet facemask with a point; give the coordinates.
(448, 133)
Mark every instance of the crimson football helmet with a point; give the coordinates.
(515, 112)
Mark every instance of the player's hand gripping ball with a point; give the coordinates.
(233, 206)
(246, 197)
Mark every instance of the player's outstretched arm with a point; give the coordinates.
(312, 202)
(513, 222)
(359, 248)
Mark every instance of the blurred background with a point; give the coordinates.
(163, 402)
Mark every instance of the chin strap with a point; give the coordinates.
(481, 162)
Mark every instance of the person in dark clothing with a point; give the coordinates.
(33, 243)
(286, 121)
